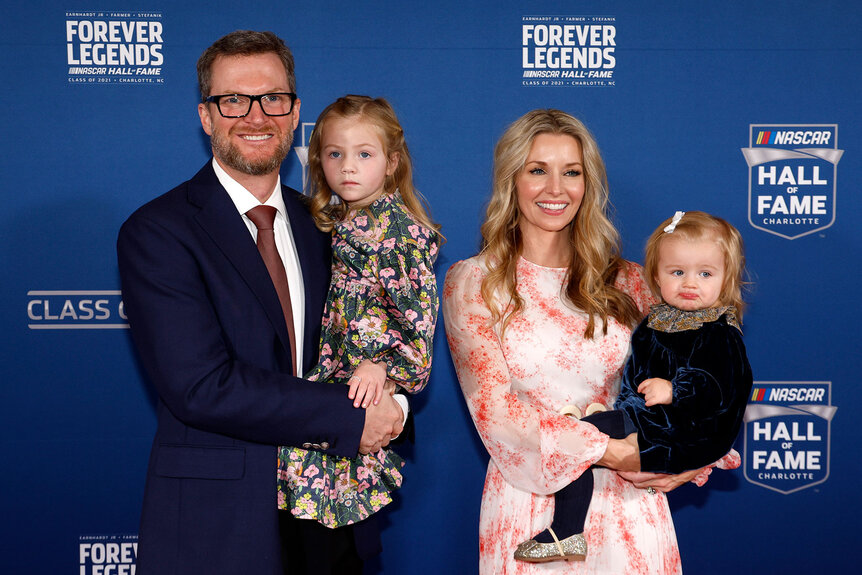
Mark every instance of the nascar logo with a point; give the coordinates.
(787, 429)
(792, 178)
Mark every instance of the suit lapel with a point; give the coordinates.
(219, 219)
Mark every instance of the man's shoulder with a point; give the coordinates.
(178, 202)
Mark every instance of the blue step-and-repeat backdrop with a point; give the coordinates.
(748, 110)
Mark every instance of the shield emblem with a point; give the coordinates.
(792, 174)
(302, 153)
(787, 435)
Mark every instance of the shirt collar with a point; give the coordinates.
(245, 200)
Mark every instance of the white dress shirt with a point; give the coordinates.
(244, 201)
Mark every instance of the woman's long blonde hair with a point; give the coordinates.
(596, 259)
(379, 113)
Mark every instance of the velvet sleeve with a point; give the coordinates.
(713, 382)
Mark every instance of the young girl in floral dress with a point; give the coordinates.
(378, 324)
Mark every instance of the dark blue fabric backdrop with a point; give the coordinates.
(100, 118)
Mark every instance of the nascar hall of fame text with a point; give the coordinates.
(568, 50)
(792, 175)
(114, 554)
(787, 434)
(114, 47)
(76, 309)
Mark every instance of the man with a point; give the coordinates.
(210, 327)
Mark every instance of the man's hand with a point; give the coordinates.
(382, 423)
(656, 391)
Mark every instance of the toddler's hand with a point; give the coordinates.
(656, 391)
(366, 383)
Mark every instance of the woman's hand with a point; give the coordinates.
(661, 481)
(366, 383)
(622, 454)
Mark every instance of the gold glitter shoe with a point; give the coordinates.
(572, 548)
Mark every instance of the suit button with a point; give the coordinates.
(306, 445)
(324, 445)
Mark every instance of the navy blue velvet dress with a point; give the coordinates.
(703, 355)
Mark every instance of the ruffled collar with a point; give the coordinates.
(666, 318)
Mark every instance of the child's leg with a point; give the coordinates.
(615, 423)
(573, 500)
(570, 508)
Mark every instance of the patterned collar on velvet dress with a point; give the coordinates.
(666, 318)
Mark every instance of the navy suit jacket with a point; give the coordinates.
(207, 324)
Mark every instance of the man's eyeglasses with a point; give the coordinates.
(239, 105)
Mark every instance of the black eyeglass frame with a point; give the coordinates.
(251, 100)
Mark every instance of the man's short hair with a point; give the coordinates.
(243, 43)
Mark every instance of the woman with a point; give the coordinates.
(541, 319)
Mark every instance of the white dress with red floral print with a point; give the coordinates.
(514, 391)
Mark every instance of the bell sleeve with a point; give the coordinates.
(535, 449)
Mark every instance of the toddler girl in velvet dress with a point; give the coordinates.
(381, 309)
(685, 385)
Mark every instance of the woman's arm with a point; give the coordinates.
(664, 483)
(536, 450)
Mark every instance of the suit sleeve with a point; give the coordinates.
(189, 357)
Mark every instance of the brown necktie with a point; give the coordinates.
(263, 217)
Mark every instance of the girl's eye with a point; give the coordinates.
(677, 273)
(573, 173)
(705, 274)
(364, 155)
(537, 171)
(334, 155)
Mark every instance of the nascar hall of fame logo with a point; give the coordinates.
(114, 47)
(568, 50)
(98, 309)
(792, 171)
(302, 152)
(787, 427)
(107, 554)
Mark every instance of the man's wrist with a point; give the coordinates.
(402, 402)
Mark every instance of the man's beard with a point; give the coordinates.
(227, 152)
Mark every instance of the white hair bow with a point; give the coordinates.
(672, 225)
